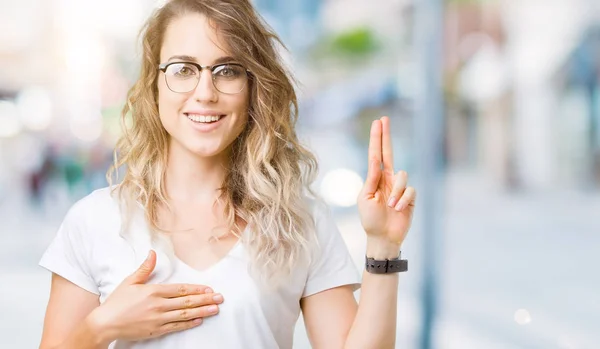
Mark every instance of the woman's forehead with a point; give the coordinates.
(193, 35)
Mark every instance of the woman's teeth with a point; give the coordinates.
(204, 118)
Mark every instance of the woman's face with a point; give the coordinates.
(184, 115)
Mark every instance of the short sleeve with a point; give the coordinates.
(68, 252)
(332, 266)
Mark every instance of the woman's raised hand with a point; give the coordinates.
(386, 203)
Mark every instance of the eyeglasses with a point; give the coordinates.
(183, 77)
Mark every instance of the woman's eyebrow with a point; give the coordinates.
(224, 60)
(193, 59)
(183, 58)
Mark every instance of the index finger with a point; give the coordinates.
(386, 145)
(180, 290)
(375, 142)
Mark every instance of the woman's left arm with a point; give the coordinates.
(333, 319)
(386, 205)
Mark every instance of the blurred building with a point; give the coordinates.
(505, 106)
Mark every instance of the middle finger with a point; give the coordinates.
(386, 146)
(188, 314)
(179, 290)
(192, 301)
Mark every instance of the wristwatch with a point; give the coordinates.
(387, 266)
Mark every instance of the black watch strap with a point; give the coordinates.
(386, 266)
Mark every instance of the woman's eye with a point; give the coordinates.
(227, 71)
(184, 71)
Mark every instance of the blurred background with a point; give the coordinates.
(495, 111)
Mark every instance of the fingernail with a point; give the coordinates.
(399, 206)
(212, 309)
(198, 320)
(218, 297)
(392, 201)
(208, 290)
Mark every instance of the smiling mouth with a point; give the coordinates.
(204, 119)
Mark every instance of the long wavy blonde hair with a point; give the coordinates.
(268, 181)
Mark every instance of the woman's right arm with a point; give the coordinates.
(134, 311)
(67, 323)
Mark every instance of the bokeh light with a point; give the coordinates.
(340, 187)
(9, 119)
(522, 317)
(35, 108)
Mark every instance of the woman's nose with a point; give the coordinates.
(205, 91)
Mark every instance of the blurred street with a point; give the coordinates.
(499, 98)
(501, 253)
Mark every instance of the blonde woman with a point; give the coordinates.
(213, 238)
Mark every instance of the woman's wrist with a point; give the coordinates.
(381, 248)
(99, 330)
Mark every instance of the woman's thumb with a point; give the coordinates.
(142, 274)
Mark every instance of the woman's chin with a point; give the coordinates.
(198, 147)
(204, 153)
(205, 150)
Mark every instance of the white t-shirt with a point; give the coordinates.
(89, 251)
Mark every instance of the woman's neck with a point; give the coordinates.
(193, 179)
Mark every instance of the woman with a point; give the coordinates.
(216, 199)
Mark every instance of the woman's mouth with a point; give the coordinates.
(204, 119)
